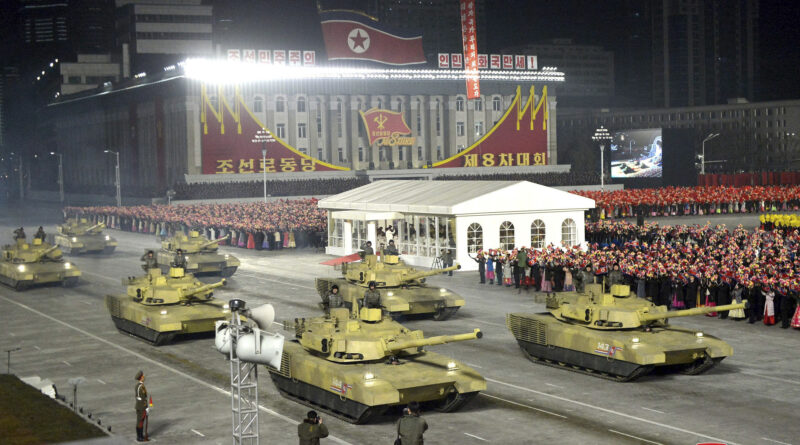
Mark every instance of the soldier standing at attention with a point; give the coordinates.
(180, 259)
(141, 408)
(411, 426)
(312, 429)
(149, 260)
(372, 297)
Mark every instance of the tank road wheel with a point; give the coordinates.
(700, 366)
(454, 401)
(444, 313)
(108, 250)
(70, 282)
(227, 272)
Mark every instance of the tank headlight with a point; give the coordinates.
(369, 376)
(74, 239)
(635, 340)
(452, 366)
(699, 335)
(442, 290)
(21, 268)
(164, 312)
(67, 266)
(226, 306)
(227, 256)
(390, 294)
(108, 238)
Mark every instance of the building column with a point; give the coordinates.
(347, 237)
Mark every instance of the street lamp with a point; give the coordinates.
(263, 136)
(703, 155)
(9, 351)
(602, 136)
(60, 175)
(119, 193)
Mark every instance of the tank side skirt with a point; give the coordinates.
(586, 362)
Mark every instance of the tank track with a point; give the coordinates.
(108, 250)
(358, 413)
(151, 336)
(444, 313)
(228, 272)
(70, 282)
(699, 367)
(638, 372)
(451, 404)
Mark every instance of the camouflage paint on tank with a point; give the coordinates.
(202, 255)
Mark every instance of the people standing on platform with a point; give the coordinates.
(481, 260)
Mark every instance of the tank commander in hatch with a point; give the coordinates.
(149, 260)
(367, 249)
(333, 300)
(40, 234)
(372, 297)
(179, 260)
(391, 249)
(19, 234)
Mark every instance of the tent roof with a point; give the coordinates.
(455, 197)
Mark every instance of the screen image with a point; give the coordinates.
(636, 154)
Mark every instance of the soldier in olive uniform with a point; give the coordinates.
(333, 300)
(587, 276)
(312, 429)
(411, 426)
(391, 249)
(149, 260)
(40, 234)
(447, 260)
(180, 259)
(615, 276)
(141, 408)
(372, 297)
(367, 248)
(19, 234)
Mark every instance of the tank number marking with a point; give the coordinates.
(606, 349)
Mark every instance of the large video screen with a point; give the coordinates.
(636, 154)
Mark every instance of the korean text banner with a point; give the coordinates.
(518, 138)
(470, 45)
(233, 138)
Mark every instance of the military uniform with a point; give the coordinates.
(40, 234)
(410, 429)
(150, 262)
(179, 260)
(615, 277)
(333, 300)
(372, 299)
(367, 250)
(19, 234)
(310, 433)
(391, 249)
(447, 260)
(141, 408)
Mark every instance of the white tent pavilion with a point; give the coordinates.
(429, 217)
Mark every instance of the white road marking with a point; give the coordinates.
(101, 276)
(157, 363)
(653, 410)
(775, 441)
(522, 405)
(777, 379)
(88, 303)
(101, 382)
(473, 366)
(554, 386)
(635, 437)
(65, 362)
(611, 411)
(198, 433)
(37, 348)
(472, 435)
(279, 281)
(12, 334)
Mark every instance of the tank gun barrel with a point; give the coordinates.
(438, 340)
(693, 311)
(214, 241)
(46, 252)
(430, 273)
(96, 226)
(206, 288)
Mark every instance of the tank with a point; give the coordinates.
(616, 335)
(28, 264)
(202, 255)
(403, 289)
(157, 307)
(80, 236)
(355, 365)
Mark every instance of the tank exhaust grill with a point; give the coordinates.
(526, 329)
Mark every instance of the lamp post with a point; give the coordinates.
(602, 136)
(9, 351)
(703, 155)
(119, 192)
(263, 136)
(60, 175)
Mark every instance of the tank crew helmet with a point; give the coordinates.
(334, 287)
(372, 284)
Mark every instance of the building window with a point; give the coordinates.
(258, 104)
(478, 128)
(341, 154)
(303, 150)
(569, 233)
(507, 235)
(497, 104)
(319, 126)
(360, 154)
(474, 238)
(419, 122)
(320, 154)
(400, 151)
(301, 130)
(459, 129)
(419, 152)
(301, 104)
(459, 104)
(280, 104)
(438, 123)
(537, 234)
(280, 131)
(478, 104)
(439, 152)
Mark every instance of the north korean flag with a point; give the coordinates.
(353, 36)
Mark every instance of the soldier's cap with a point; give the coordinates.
(139, 375)
(311, 415)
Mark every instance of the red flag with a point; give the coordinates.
(354, 36)
(384, 124)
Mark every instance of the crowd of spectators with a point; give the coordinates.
(693, 200)
(679, 266)
(275, 225)
(253, 189)
(548, 179)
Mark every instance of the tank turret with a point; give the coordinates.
(616, 335)
(202, 255)
(24, 265)
(618, 309)
(82, 237)
(359, 362)
(403, 289)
